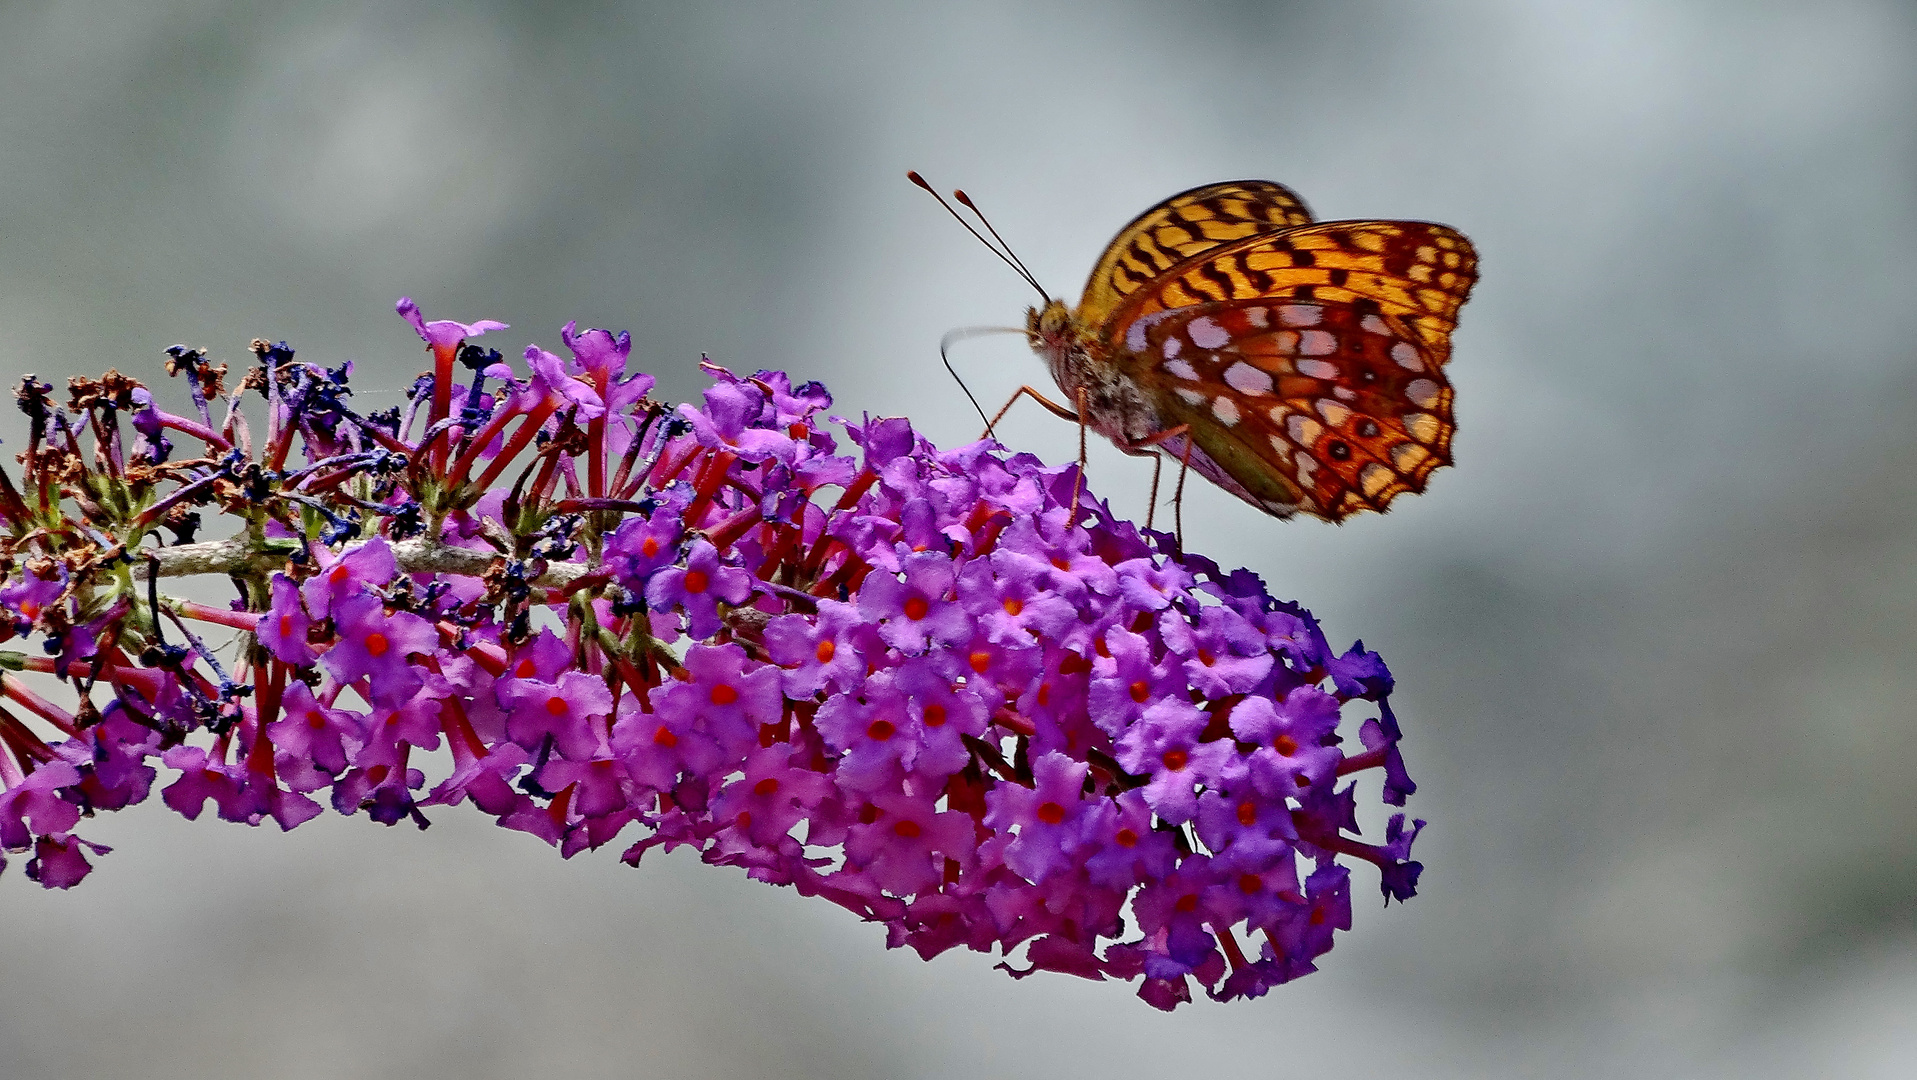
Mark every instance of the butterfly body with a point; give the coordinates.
(1298, 365)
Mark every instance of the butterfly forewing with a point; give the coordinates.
(1183, 226)
(1314, 407)
(1415, 271)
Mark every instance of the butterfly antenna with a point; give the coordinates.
(966, 201)
(1003, 256)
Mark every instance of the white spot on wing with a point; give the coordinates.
(1172, 345)
(1257, 317)
(1406, 457)
(1280, 447)
(1375, 325)
(1191, 397)
(1422, 392)
(1286, 342)
(1374, 479)
(1225, 410)
(1207, 334)
(1303, 429)
(1423, 426)
(1181, 369)
(1305, 468)
(1246, 379)
(1300, 314)
(1406, 356)
(1318, 369)
(1334, 413)
(1135, 333)
(1317, 343)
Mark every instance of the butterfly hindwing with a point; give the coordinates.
(1183, 226)
(1414, 271)
(1324, 407)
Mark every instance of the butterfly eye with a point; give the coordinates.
(1338, 451)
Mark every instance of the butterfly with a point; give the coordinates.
(1297, 364)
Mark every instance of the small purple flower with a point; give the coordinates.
(1165, 745)
(562, 710)
(904, 848)
(311, 734)
(1290, 735)
(32, 807)
(443, 332)
(369, 566)
(729, 421)
(730, 695)
(1049, 817)
(1127, 680)
(60, 862)
(283, 628)
(772, 797)
(919, 611)
(374, 646)
(823, 652)
(1247, 833)
(698, 588)
(1010, 595)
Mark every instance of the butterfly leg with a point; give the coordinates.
(1078, 482)
(1151, 504)
(1150, 443)
(1053, 407)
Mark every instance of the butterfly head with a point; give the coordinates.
(1051, 328)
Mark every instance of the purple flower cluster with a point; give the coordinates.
(946, 690)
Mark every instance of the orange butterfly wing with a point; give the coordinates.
(1313, 407)
(1182, 227)
(1414, 270)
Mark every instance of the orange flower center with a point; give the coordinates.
(1051, 813)
(908, 829)
(766, 787)
(935, 715)
(826, 649)
(556, 706)
(664, 737)
(1013, 605)
(881, 730)
(1140, 691)
(376, 643)
(1176, 760)
(1285, 745)
(916, 608)
(696, 581)
(724, 694)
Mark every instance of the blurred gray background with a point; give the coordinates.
(1653, 634)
